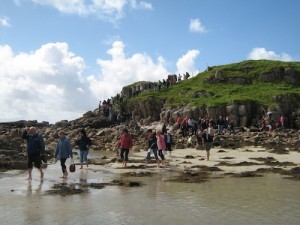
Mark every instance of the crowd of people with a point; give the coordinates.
(191, 126)
(159, 142)
(269, 123)
(164, 84)
(106, 107)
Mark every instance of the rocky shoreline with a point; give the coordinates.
(247, 153)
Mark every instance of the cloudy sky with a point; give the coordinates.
(59, 58)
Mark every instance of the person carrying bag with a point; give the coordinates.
(63, 152)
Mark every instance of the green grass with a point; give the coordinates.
(224, 94)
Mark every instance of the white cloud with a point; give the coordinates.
(187, 62)
(66, 6)
(48, 84)
(121, 70)
(4, 21)
(262, 53)
(140, 5)
(45, 84)
(110, 10)
(197, 26)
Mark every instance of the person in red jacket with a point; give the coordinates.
(126, 144)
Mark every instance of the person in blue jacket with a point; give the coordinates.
(63, 151)
(35, 150)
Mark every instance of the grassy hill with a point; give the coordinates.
(198, 92)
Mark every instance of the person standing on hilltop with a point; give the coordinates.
(83, 142)
(126, 144)
(35, 149)
(63, 151)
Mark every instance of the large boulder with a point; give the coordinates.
(273, 76)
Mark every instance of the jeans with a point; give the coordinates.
(83, 156)
(149, 154)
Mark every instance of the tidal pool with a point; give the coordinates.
(270, 199)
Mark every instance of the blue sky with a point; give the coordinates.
(58, 58)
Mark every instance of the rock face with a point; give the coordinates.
(151, 107)
(243, 114)
(289, 75)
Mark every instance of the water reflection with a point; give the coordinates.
(36, 191)
(266, 200)
(33, 211)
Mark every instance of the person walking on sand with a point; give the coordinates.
(84, 142)
(207, 140)
(152, 144)
(126, 144)
(35, 150)
(63, 151)
(161, 146)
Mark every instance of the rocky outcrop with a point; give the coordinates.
(242, 113)
(13, 148)
(150, 107)
(288, 75)
(220, 78)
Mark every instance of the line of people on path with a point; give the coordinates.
(164, 84)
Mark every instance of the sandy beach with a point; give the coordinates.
(222, 161)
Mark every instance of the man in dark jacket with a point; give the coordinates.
(35, 149)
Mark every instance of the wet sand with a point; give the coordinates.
(94, 196)
(222, 161)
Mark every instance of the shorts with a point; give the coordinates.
(33, 158)
(168, 146)
(208, 146)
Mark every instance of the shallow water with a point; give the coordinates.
(261, 200)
